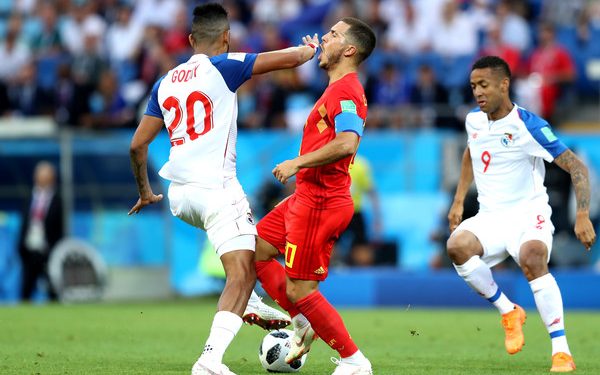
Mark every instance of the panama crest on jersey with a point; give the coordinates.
(507, 140)
(250, 218)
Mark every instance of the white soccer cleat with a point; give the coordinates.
(269, 318)
(301, 342)
(351, 369)
(207, 368)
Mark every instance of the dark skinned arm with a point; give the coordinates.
(145, 133)
(464, 183)
(584, 230)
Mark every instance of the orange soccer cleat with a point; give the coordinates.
(562, 362)
(513, 328)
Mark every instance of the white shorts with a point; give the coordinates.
(502, 233)
(223, 213)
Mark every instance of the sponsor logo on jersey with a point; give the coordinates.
(320, 270)
(507, 140)
(547, 132)
(348, 106)
(250, 218)
(239, 56)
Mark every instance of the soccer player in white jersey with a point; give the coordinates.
(506, 148)
(197, 103)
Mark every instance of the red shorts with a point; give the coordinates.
(305, 235)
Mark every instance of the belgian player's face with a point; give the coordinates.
(488, 89)
(333, 45)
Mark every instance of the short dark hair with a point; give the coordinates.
(493, 62)
(210, 21)
(362, 36)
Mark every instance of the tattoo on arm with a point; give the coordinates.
(140, 172)
(579, 177)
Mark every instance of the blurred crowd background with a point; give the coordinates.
(92, 63)
(75, 76)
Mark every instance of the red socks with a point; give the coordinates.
(325, 320)
(327, 323)
(271, 275)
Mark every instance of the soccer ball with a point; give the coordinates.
(273, 349)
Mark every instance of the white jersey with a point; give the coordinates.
(198, 103)
(507, 158)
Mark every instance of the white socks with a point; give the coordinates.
(224, 328)
(357, 359)
(545, 292)
(478, 276)
(549, 304)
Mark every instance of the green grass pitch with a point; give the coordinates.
(166, 338)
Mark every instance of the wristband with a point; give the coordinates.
(315, 48)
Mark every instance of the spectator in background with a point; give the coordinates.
(369, 11)
(162, 13)
(563, 13)
(108, 108)
(276, 10)
(175, 38)
(362, 252)
(13, 53)
(88, 63)
(41, 228)
(388, 91)
(123, 42)
(390, 88)
(495, 46)
(555, 68)
(47, 41)
(154, 59)
(407, 34)
(79, 23)
(70, 99)
(455, 36)
(481, 15)
(431, 99)
(514, 28)
(26, 97)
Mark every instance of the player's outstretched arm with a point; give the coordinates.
(145, 133)
(286, 58)
(464, 182)
(343, 145)
(584, 230)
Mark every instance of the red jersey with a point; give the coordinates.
(550, 62)
(328, 186)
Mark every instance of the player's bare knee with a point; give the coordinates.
(534, 261)
(461, 247)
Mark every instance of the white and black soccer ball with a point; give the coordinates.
(273, 349)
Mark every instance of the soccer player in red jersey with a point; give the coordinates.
(305, 226)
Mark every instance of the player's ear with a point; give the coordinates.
(191, 40)
(505, 84)
(350, 50)
(225, 39)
